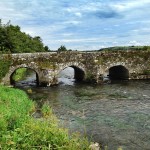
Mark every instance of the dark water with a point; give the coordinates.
(116, 114)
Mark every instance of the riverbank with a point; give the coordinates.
(19, 130)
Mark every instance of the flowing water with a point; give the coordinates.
(115, 114)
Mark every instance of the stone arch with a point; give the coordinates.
(79, 71)
(117, 72)
(13, 69)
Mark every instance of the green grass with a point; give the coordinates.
(4, 66)
(19, 130)
(14, 108)
(19, 74)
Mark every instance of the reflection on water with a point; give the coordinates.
(116, 114)
(30, 80)
(66, 76)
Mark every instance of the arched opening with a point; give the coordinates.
(78, 73)
(70, 75)
(118, 73)
(24, 77)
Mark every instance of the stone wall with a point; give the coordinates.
(89, 66)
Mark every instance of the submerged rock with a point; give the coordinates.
(94, 146)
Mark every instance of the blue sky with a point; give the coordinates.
(81, 24)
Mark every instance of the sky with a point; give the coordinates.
(81, 24)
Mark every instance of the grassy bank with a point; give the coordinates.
(19, 130)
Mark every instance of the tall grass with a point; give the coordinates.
(19, 130)
(14, 108)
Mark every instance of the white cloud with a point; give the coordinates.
(78, 14)
(135, 43)
(130, 4)
(82, 24)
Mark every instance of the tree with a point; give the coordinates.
(62, 48)
(47, 49)
(12, 40)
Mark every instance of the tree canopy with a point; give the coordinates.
(62, 48)
(12, 40)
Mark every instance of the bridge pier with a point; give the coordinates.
(47, 77)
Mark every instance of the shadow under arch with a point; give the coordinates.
(76, 73)
(28, 69)
(118, 72)
(79, 74)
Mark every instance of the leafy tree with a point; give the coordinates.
(12, 40)
(62, 48)
(47, 48)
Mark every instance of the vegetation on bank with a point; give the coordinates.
(19, 130)
(63, 48)
(4, 66)
(125, 48)
(13, 40)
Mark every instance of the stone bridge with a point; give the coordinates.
(88, 66)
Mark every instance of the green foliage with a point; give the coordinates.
(62, 48)
(4, 66)
(90, 77)
(12, 40)
(19, 74)
(18, 130)
(42, 135)
(146, 72)
(46, 48)
(124, 48)
(46, 110)
(14, 108)
(145, 48)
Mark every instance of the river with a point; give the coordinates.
(114, 114)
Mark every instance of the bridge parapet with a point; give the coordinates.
(88, 66)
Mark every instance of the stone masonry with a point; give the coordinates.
(88, 66)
